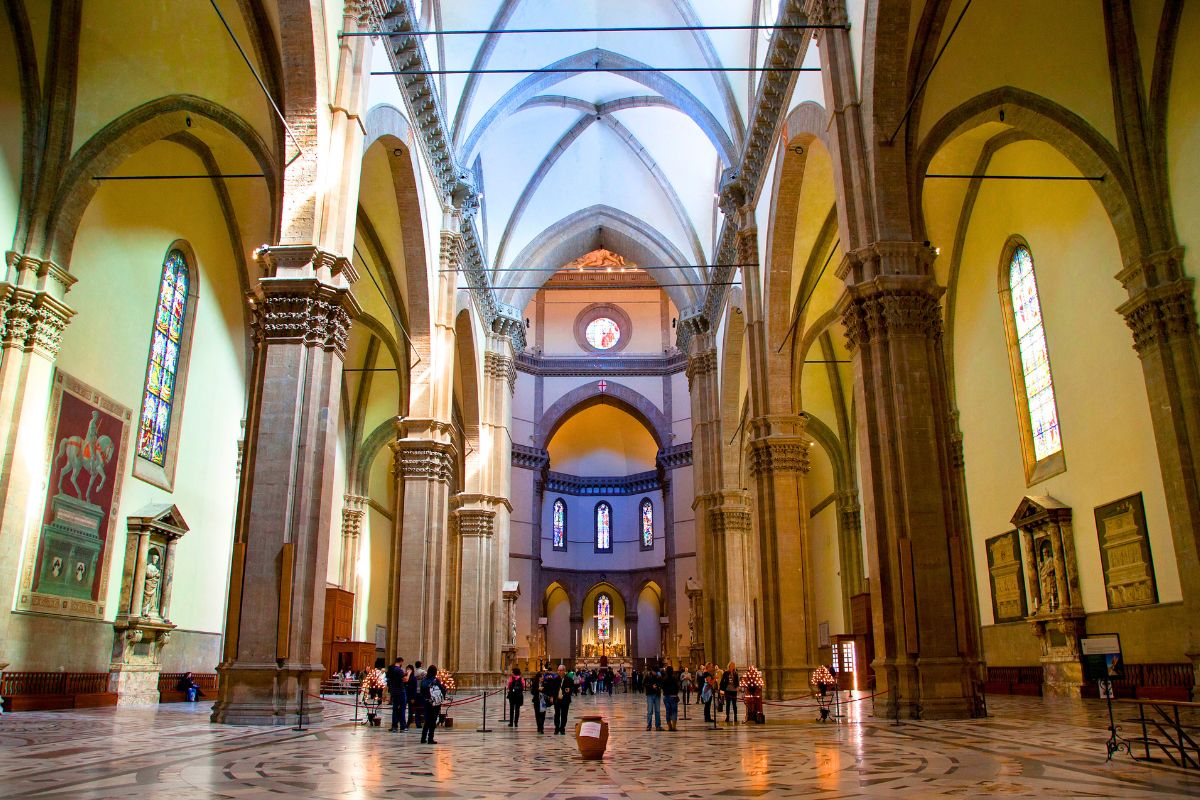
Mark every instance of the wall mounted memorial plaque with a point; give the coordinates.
(1008, 584)
(1125, 553)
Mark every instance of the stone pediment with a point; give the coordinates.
(163, 516)
(1035, 508)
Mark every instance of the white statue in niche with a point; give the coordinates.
(150, 586)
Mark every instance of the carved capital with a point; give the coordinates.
(1161, 315)
(306, 261)
(302, 312)
(1157, 269)
(826, 12)
(474, 522)
(700, 364)
(727, 519)
(367, 13)
(883, 308)
(353, 513)
(773, 455)
(508, 323)
(501, 368)
(452, 250)
(418, 460)
(32, 321)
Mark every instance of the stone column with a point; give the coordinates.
(1161, 314)
(302, 313)
(474, 520)
(850, 548)
(729, 529)
(425, 459)
(353, 513)
(33, 317)
(926, 642)
(778, 463)
(706, 471)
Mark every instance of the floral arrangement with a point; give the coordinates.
(753, 680)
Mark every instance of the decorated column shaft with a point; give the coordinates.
(926, 640)
(302, 313)
(706, 467)
(33, 317)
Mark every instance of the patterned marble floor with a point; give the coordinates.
(1027, 748)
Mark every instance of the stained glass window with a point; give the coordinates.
(602, 333)
(647, 524)
(603, 526)
(1035, 358)
(603, 618)
(166, 339)
(559, 525)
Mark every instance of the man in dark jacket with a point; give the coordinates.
(558, 689)
(397, 683)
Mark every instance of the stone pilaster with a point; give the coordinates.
(926, 641)
(706, 470)
(425, 463)
(849, 522)
(33, 318)
(778, 464)
(1161, 314)
(302, 312)
(476, 605)
(729, 528)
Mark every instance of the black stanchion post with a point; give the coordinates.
(1115, 743)
(484, 728)
(300, 712)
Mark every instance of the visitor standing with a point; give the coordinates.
(729, 687)
(560, 690)
(416, 714)
(653, 690)
(538, 699)
(433, 694)
(397, 684)
(670, 691)
(685, 683)
(516, 696)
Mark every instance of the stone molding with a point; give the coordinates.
(638, 483)
(32, 321)
(368, 13)
(702, 363)
(1154, 270)
(353, 513)
(452, 248)
(500, 367)
(674, 457)
(1161, 314)
(728, 519)
(599, 366)
(881, 260)
(826, 12)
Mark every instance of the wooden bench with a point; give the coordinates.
(167, 681)
(1014, 680)
(1150, 682)
(1174, 722)
(49, 691)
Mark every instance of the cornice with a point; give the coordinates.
(638, 483)
(598, 366)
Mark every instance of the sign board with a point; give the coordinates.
(1102, 659)
(590, 729)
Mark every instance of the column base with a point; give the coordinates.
(480, 680)
(268, 695)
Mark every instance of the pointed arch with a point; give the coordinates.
(615, 394)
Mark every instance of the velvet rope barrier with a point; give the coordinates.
(794, 704)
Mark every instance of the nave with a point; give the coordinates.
(1027, 747)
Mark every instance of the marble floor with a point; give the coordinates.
(1027, 748)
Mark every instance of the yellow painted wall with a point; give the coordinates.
(123, 238)
(602, 441)
(1108, 442)
(642, 305)
(10, 134)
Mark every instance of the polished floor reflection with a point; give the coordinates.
(1027, 748)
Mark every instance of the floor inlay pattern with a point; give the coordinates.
(1027, 748)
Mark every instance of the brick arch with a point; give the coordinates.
(617, 395)
(1068, 133)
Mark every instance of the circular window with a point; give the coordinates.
(603, 333)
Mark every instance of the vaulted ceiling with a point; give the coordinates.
(626, 155)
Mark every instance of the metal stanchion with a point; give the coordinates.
(484, 728)
(300, 712)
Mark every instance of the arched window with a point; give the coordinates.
(603, 618)
(1029, 362)
(158, 425)
(558, 525)
(647, 518)
(603, 528)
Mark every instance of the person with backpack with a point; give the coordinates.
(433, 694)
(653, 690)
(515, 692)
(729, 687)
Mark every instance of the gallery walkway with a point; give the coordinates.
(1028, 748)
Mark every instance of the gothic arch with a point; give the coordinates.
(615, 394)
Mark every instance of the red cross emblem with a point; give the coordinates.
(602, 386)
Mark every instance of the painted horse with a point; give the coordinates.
(80, 455)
